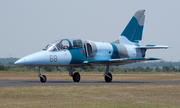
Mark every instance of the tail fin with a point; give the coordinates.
(134, 29)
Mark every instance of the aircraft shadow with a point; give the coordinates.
(51, 81)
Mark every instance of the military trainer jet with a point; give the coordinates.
(77, 52)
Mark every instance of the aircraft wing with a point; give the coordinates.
(153, 47)
(122, 61)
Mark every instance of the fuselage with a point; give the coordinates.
(75, 53)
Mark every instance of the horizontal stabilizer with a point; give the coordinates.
(153, 47)
(122, 61)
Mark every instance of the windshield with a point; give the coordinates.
(50, 47)
(63, 44)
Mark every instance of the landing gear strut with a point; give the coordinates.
(76, 76)
(107, 74)
(42, 77)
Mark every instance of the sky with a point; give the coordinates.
(27, 26)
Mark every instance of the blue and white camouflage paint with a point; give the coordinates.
(77, 52)
(125, 47)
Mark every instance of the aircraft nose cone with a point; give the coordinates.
(32, 59)
(20, 62)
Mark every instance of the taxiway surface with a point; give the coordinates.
(10, 83)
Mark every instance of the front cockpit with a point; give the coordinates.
(64, 44)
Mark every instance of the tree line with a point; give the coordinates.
(91, 69)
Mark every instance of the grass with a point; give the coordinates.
(125, 96)
(98, 76)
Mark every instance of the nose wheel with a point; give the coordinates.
(43, 79)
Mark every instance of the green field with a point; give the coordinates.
(127, 96)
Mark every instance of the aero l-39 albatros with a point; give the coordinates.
(77, 52)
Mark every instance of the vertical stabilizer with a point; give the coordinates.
(134, 29)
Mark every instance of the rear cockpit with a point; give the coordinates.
(64, 44)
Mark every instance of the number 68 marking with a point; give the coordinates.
(53, 58)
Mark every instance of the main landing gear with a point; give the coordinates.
(76, 76)
(107, 74)
(42, 77)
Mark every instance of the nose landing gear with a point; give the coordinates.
(42, 77)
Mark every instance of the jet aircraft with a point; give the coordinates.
(78, 53)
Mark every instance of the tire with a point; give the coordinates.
(107, 79)
(43, 80)
(76, 77)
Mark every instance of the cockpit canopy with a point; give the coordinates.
(64, 44)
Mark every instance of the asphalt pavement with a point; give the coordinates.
(12, 83)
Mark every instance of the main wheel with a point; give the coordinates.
(43, 79)
(76, 77)
(108, 78)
